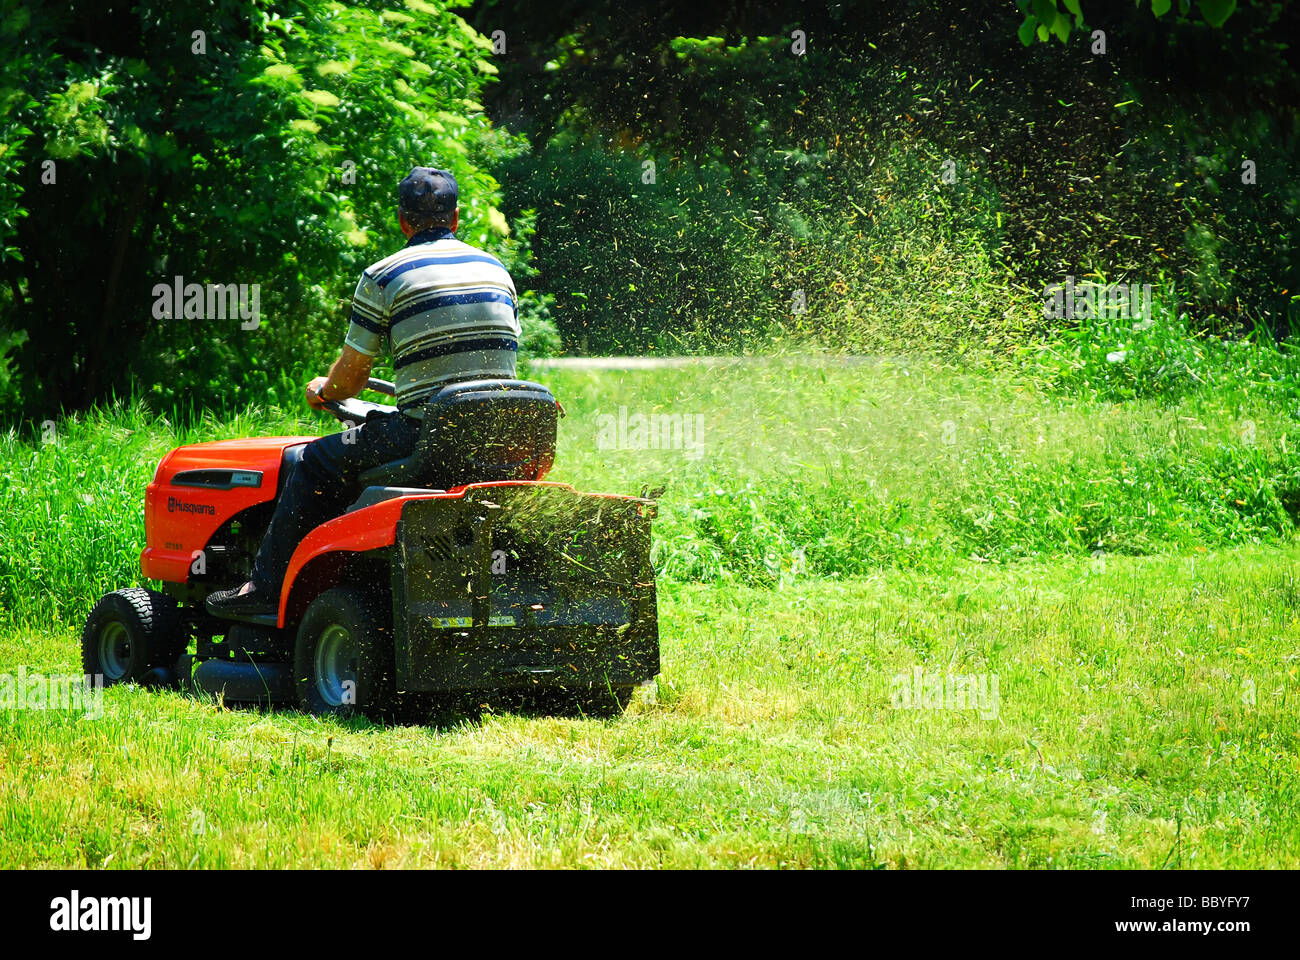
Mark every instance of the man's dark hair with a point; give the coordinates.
(420, 222)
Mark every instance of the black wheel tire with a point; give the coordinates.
(343, 657)
(130, 633)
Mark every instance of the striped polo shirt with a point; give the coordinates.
(448, 311)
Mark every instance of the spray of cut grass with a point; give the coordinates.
(817, 466)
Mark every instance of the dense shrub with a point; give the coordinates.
(222, 142)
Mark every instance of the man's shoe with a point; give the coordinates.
(234, 606)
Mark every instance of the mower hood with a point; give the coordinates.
(199, 488)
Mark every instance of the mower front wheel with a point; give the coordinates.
(343, 658)
(130, 634)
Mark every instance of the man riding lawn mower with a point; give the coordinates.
(415, 555)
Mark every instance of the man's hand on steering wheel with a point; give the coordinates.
(314, 387)
(348, 375)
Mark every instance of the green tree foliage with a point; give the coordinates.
(223, 141)
(1045, 19)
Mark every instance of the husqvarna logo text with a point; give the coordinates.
(184, 506)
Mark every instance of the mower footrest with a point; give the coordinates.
(372, 495)
(246, 682)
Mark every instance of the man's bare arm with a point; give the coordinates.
(346, 378)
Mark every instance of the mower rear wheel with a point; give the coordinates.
(131, 633)
(343, 658)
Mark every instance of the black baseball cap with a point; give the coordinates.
(426, 190)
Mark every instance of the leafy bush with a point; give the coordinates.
(1113, 359)
(224, 142)
(538, 336)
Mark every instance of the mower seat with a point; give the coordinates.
(477, 431)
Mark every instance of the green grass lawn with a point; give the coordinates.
(1125, 573)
